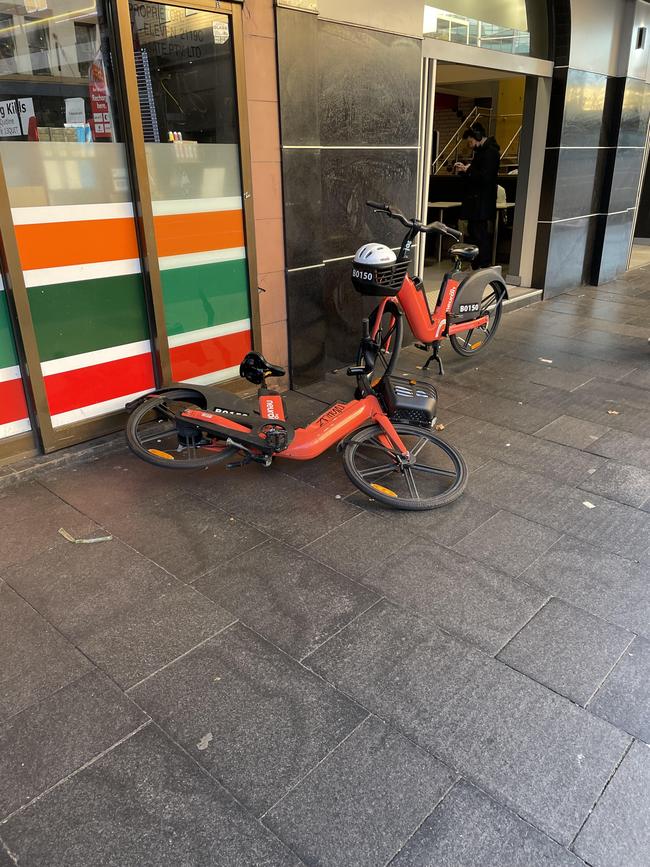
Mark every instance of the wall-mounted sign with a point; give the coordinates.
(75, 110)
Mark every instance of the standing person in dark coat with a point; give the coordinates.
(480, 201)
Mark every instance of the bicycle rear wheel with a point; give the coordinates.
(387, 332)
(154, 435)
(470, 342)
(436, 477)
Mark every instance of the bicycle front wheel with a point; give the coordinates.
(386, 330)
(436, 476)
(470, 342)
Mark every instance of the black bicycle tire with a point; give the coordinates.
(468, 353)
(443, 499)
(390, 307)
(142, 453)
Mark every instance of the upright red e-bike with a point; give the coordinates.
(390, 451)
(467, 311)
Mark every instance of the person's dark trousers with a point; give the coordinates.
(479, 234)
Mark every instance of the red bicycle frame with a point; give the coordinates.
(426, 326)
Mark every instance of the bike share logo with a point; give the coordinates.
(362, 275)
(270, 410)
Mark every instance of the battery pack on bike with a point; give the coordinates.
(408, 401)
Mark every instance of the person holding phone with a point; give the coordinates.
(480, 200)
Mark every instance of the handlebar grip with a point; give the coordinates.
(377, 206)
(365, 329)
(455, 233)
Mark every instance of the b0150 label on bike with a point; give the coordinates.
(469, 308)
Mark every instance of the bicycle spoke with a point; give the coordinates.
(385, 468)
(410, 481)
(415, 451)
(436, 471)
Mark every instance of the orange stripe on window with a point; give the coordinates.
(193, 233)
(51, 245)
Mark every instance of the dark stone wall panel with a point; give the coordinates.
(634, 115)
(574, 191)
(307, 326)
(583, 108)
(556, 108)
(297, 40)
(369, 87)
(303, 231)
(344, 311)
(570, 250)
(625, 181)
(350, 178)
(615, 246)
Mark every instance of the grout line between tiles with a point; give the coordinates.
(512, 638)
(182, 655)
(317, 765)
(602, 682)
(301, 661)
(602, 792)
(78, 770)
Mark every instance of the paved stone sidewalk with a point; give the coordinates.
(228, 681)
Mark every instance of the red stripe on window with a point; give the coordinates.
(209, 356)
(85, 386)
(12, 401)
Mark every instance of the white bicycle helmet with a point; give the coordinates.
(375, 254)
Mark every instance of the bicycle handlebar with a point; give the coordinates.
(396, 214)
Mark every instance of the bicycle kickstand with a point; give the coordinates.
(435, 357)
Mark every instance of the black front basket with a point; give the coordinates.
(383, 280)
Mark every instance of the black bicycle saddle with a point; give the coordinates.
(255, 368)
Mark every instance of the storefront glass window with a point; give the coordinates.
(66, 172)
(459, 25)
(185, 67)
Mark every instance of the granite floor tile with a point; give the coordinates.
(615, 526)
(545, 758)
(621, 482)
(78, 588)
(113, 485)
(35, 660)
(496, 381)
(508, 542)
(50, 740)
(574, 432)
(469, 829)
(187, 536)
(544, 501)
(361, 543)
(618, 831)
(363, 802)
(283, 507)
(566, 649)
(518, 415)
(30, 518)
(254, 718)
(145, 803)
(624, 447)
(293, 601)
(5, 860)
(469, 599)
(446, 525)
(325, 473)
(639, 377)
(550, 459)
(141, 640)
(606, 585)
(624, 698)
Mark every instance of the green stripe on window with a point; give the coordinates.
(86, 315)
(202, 296)
(8, 357)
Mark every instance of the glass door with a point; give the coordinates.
(185, 70)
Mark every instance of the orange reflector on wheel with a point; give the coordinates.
(476, 345)
(160, 454)
(382, 490)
